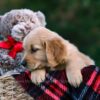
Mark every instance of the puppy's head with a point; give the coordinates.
(42, 48)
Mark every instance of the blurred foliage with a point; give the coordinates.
(76, 20)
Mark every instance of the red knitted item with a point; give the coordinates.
(12, 45)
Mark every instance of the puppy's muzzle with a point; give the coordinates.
(24, 63)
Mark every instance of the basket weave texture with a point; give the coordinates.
(10, 89)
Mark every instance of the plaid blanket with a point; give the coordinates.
(56, 87)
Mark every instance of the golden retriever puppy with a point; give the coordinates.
(44, 48)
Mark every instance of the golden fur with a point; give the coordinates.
(45, 48)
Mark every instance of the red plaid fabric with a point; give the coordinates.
(56, 86)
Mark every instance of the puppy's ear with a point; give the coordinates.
(55, 52)
(41, 18)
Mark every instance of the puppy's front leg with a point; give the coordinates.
(73, 70)
(38, 76)
(74, 76)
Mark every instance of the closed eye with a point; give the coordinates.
(33, 50)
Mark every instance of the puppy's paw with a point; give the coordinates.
(38, 76)
(74, 77)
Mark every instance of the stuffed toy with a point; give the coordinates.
(14, 26)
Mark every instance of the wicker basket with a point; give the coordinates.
(11, 90)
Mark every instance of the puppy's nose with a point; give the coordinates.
(24, 63)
